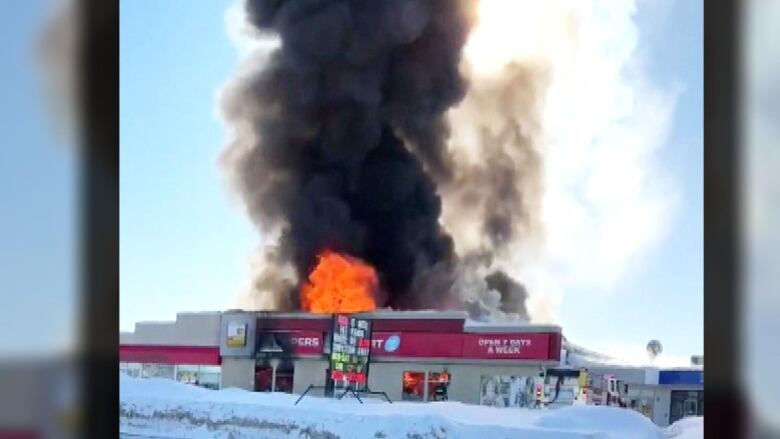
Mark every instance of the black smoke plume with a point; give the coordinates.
(341, 134)
(513, 294)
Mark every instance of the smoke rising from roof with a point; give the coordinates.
(341, 140)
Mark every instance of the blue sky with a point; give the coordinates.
(185, 244)
(663, 299)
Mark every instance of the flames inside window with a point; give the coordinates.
(413, 386)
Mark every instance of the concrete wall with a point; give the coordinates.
(308, 372)
(189, 329)
(663, 399)
(241, 318)
(238, 372)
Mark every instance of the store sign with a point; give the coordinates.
(503, 346)
(392, 343)
(350, 349)
(290, 343)
(236, 334)
(307, 343)
(531, 346)
(681, 377)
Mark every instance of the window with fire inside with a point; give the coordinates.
(414, 385)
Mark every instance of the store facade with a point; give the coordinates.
(680, 393)
(186, 350)
(414, 356)
(663, 395)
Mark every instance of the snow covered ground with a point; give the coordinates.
(160, 408)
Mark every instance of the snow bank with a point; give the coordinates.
(161, 407)
(686, 428)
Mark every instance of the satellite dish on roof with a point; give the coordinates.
(654, 348)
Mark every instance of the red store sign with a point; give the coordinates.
(531, 346)
(300, 342)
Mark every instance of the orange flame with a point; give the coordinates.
(339, 284)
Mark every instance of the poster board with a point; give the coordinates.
(350, 351)
(236, 334)
(507, 391)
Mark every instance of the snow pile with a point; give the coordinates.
(161, 407)
(686, 428)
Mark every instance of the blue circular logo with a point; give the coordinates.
(392, 343)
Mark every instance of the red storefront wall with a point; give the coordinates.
(170, 354)
(540, 346)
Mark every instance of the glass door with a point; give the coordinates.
(690, 407)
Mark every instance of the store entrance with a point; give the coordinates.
(274, 378)
(690, 407)
(263, 379)
(685, 403)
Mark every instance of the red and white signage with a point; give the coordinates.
(304, 342)
(520, 346)
(533, 346)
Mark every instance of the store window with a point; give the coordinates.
(263, 377)
(187, 374)
(284, 380)
(131, 369)
(413, 386)
(685, 403)
(209, 377)
(151, 370)
(438, 385)
(641, 400)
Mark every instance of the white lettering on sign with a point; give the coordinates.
(377, 343)
(507, 346)
(306, 341)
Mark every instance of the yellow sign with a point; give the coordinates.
(236, 336)
(583, 380)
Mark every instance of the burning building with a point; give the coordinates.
(340, 153)
(413, 354)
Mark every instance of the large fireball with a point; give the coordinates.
(339, 284)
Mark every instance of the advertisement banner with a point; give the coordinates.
(506, 391)
(350, 350)
(236, 334)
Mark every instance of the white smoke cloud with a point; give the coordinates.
(633, 354)
(606, 203)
